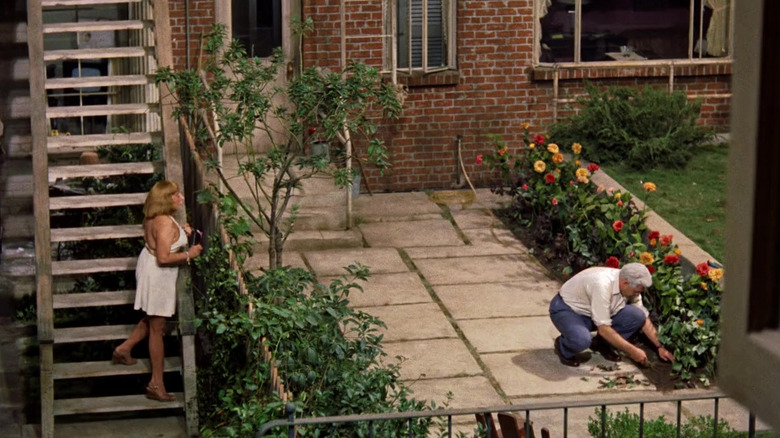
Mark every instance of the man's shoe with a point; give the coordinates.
(566, 361)
(599, 345)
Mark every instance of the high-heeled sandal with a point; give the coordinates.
(154, 392)
(122, 359)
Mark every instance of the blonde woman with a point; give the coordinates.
(165, 248)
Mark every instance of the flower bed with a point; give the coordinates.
(575, 224)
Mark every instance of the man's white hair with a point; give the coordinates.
(637, 274)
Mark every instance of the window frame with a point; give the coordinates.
(449, 31)
(542, 5)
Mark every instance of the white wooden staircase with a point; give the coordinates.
(134, 40)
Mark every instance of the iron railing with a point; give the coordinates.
(526, 408)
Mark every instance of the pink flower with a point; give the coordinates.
(613, 262)
(549, 178)
(592, 167)
(631, 254)
(617, 226)
(554, 201)
(539, 139)
(525, 187)
(479, 159)
(571, 183)
(501, 151)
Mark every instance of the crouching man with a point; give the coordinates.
(608, 301)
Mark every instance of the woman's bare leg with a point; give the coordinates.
(140, 331)
(157, 350)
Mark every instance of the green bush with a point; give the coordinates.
(626, 425)
(644, 129)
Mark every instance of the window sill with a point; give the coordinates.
(420, 79)
(604, 70)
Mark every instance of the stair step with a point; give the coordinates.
(76, 370)
(93, 405)
(66, 144)
(104, 53)
(96, 233)
(103, 170)
(93, 26)
(52, 3)
(93, 299)
(57, 112)
(98, 333)
(73, 267)
(97, 81)
(94, 201)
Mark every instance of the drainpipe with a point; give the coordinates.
(459, 163)
(187, 31)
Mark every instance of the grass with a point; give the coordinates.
(692, 199)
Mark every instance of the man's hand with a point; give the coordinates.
(665, 354)
(638, 355)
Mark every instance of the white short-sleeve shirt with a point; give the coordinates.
(595, 292)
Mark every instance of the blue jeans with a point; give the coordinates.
(575, 329)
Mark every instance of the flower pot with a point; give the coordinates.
(321, 148)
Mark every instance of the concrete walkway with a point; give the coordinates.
(466, 308)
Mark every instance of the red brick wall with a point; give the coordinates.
(201, 18)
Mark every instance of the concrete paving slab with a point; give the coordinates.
(470, 219)
(388, 289)
(332, 262)
(259, 260)
(473, 250)
(538, 372)
(412, 321)
(467, 392)
(498, 300)
(486, 198)
(479, 236)
(729, 410)
(436, 232)
(477, 270)
(509, 334)
(434, 358)
(391, 207)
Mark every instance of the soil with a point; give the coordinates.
(659, 373)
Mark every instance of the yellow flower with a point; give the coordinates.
(677, 251)
(576, 148)
(646, 258)
(703, 285)
(539, 166)
(583, 173)
(577, 162)
(715, 274)
(649, 187)
(525, 126)
(583, 179)
(617, 195)
(552, 148)
(557, 158)
(531, 146)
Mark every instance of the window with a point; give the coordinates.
(632, 30)
(258, 24)
(424, 30)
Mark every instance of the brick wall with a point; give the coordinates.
(494, 90)
(201, 18)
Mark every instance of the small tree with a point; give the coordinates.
(233, 99)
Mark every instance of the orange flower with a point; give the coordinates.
(700, 322)
(557, 158)
(653, 242)
(525, 126)
(677, 251)
(576, 148)
(649, 187)
(703, 285)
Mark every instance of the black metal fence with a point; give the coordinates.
(526, 410)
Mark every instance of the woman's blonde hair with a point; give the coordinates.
(159, 200)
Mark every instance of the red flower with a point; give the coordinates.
(539, 139)
(702, 269)
(617, 226)
(592, 167)
(479, 158)
(671, 259)
(613, 262)
(653, 235)
(620, 203)
(651, 269)
(554, 201)
(525, 187)
(549, 178)
(312, 130)
(666, 240)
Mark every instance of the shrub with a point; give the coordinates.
(626, 425)
(644, 129)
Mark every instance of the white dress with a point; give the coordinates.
(155, 291)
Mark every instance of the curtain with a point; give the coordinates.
(540, 10)
(717, 33)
